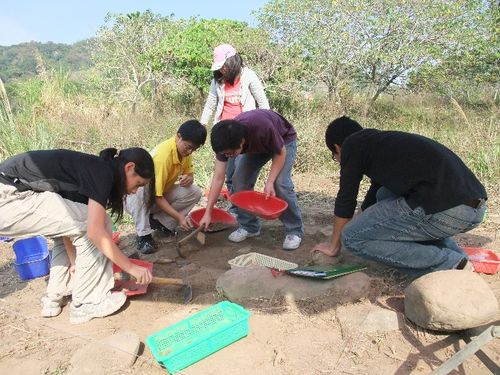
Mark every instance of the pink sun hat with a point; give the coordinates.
(221, 54)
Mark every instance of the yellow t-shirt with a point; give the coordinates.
(168, 166)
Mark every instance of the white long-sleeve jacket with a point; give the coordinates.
(252, 96)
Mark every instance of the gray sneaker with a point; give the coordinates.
(51, 306)
(88, 311)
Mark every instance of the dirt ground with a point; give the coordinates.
(313, 336)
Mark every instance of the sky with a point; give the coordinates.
(68, 21)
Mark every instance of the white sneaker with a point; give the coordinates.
(291, 242)
(241, 234)
(87, 311)
(51, 306)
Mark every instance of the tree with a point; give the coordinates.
(313, 33)
(139, 54)
(127, 56)
(189, 47)
(374, 43)
(473, 63)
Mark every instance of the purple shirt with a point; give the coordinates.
(266, 132)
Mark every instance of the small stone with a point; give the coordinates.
(319, 258)
(191, 268)
(117, 351)
(381, 320)
(450, 300)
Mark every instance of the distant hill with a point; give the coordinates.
(19, 61)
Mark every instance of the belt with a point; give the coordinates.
(475, 203)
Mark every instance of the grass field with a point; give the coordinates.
(58, 113)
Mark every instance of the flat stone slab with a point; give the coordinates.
(382, 320)
(366, 317)
(240, 284)
(115, 352)
(450, 300)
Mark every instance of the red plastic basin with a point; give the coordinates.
(218, 216)
(483, 260)
(132, 288)
(256, 203)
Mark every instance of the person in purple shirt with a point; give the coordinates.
(258, 136)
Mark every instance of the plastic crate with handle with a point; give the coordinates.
(198, 336)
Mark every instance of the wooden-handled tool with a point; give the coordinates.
(188, 290)
(199, 236)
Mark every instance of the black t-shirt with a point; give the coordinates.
(73, 175)
(421, 170)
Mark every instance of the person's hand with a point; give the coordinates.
(72, 270)
(185, 180)
(205, 221)
(269, 190)
(184, 223)
(142, 275)
(327, 249)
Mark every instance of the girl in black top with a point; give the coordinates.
(63, 194)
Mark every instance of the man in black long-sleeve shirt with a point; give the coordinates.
(421, 194)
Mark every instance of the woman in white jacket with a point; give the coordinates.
(235, 88)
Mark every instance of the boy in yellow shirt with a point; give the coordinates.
(175, 192)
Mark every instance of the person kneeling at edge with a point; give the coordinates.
(175, 194)
(258, 136)
(421, 194)
(63, 195)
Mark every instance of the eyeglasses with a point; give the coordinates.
(189, 146)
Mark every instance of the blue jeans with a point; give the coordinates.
(230, 166)
(247, 168)
(391, 232)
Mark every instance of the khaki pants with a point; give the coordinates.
(182, 199)
(29, 213)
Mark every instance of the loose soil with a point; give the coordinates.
(287, 336)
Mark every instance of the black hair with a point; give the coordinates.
(233, 66)
(193, 131)
(227, 135)
(338, 130)
(144, 167)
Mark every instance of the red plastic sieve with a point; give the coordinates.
(218, 217)
(257, 203)
(483, 260)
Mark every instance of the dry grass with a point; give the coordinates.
(6, 116)
(88, 123)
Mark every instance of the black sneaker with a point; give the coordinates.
(156, 225)
(145, 244)
(465, 265)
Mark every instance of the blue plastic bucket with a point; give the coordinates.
(32, 257)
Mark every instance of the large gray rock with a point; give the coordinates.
(450, 300)
(240, 284)
(117, 352)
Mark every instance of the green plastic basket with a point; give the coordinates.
(198, 336)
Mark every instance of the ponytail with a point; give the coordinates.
(108, 153)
